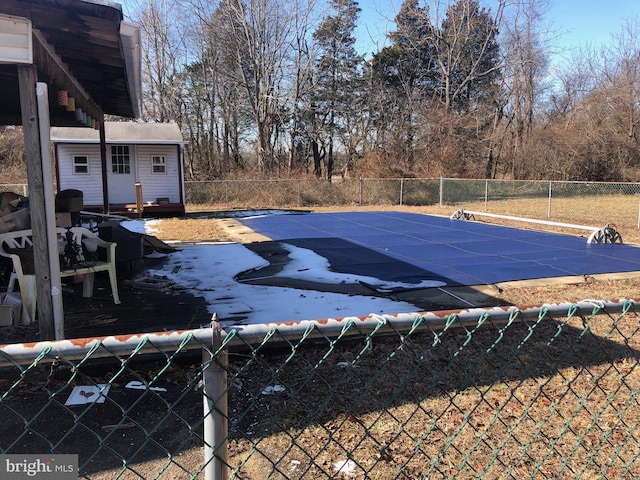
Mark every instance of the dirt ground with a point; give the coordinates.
(171, 421)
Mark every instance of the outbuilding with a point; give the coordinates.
(144, 167)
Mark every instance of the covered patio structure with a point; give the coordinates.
(62, 63)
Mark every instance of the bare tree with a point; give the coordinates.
(595, 111)
(214, 96)
(622, 77)
(302, 70)
(12, 162)
(163, 56)
(252, 88)
(526, 61)
(261, 36)
(570, 85)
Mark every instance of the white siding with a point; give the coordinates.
(158, 185)
(154, 185)
(90, 185)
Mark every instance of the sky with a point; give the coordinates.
(577, 22)
(208, 270)
(584, 22)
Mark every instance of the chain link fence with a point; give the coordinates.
(575, 202)
(550, 392)
(618, 203)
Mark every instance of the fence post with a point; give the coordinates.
(401, 189)
(549, 203)
(638, 212)
(441, 187)
(360, 187)
(486, 193)
(299, 192)
(215, 408)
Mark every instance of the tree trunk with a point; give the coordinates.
(317, 159)
(330, 161)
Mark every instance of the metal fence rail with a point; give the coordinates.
(549, 392)
(618, 203)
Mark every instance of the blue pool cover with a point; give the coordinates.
(413, 248)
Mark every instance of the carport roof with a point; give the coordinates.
(83, 47)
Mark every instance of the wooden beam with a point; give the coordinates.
(52, 65)
(27, 78)
(103, 166)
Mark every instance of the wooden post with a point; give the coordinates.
(139, 200)
(42, 97)
(103, 163)
(27, 78)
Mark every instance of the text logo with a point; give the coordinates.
(39, 467)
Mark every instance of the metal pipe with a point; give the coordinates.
(101, 347)
(216, 429)
(242, 335)
(432, 321)
(533, 220)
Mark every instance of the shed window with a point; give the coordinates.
(120, 161)
(80, 165)
(158, 164)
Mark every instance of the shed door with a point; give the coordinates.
(122, 177)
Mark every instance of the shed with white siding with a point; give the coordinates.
(146, 154)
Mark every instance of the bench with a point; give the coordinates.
(79, 242)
